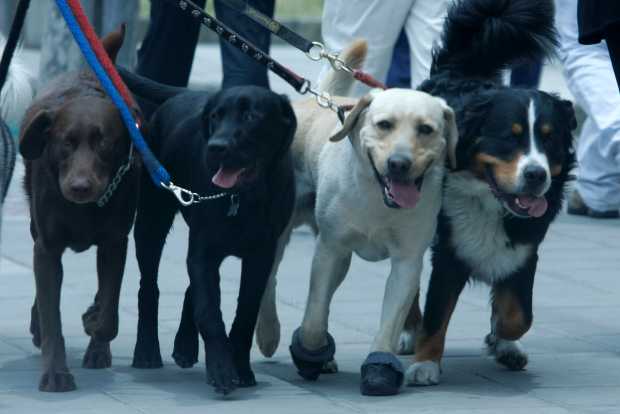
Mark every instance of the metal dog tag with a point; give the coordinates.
(234, 205)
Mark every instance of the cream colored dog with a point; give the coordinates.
(376, 194)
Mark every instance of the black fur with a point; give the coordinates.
(256, 127)
(482, 37)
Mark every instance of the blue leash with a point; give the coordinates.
(157, 172)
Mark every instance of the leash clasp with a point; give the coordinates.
(185, 197)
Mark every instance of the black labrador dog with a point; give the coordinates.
(233, 148)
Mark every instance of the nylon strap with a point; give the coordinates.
(277, 28)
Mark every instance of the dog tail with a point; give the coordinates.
(339, 83)
(148, 93)
(482, 37)
(17, 89)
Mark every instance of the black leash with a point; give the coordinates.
(315, 51)
(275, 27)
(11, 42)
(300, 84)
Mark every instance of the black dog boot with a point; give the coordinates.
(310, 364)
(382, 374)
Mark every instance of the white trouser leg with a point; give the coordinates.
(590, 78)
(377, 21)
(424, 25)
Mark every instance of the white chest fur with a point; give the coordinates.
(478, 234)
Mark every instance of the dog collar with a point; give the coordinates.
(116, 181)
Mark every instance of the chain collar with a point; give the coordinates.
(116, 181)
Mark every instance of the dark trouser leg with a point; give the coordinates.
(240, 69)
(613, 44)
(167, 52)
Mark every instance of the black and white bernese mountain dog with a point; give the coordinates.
(514, 156)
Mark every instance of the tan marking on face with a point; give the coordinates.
(504, 172)
(546, 130)
(430, 348)
(556, 170)
(510, 323)
(517, 129)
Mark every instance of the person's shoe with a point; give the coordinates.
(578, 207)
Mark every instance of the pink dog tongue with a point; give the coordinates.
(536, 206)
(226, 178)
(405, 195)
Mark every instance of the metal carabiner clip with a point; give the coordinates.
(185, 197)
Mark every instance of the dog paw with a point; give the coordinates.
(97, 355)
(423, 373)
(34, 327)
(406, 343)
(246, 379)
(221, 370)
(147, 356)
(57, 381)
(330, 367)
(268, 336)
(507, 353)
(185, 352)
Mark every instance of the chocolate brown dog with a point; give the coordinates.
(75, 145)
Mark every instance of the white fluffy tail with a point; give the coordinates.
(18, 90)
(339, 83)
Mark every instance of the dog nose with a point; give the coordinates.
(399, 164)
(217, 148)
(535, 175)
(81, 186)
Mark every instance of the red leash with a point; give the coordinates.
(102, 55)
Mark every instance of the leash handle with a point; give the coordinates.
(85, 36)
(11, 42)
(315, 51)
(275, 27)
(242, 44)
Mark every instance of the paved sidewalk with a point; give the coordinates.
(574, 345)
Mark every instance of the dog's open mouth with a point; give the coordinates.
(520, 205)
(229, 177)
(398, 194)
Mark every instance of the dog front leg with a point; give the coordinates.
(48, 276)
(206, 301)
(512, 317)
(447, 281)
(268, 324)
(255, 272)
(382, 372)
(101, 323)
(312, 346)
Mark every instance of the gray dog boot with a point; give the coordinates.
(310, 363)
(382, 374)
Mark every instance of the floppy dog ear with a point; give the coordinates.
(34, 135)
(113, 42)
(290, 123)
(451, 132)
(569, 111)
(351, 121)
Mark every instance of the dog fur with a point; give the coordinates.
(344, 191)
(514, 156)
(74, 142)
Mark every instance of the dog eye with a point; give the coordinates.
(425, 129)
(249, 116)
(385, 125)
